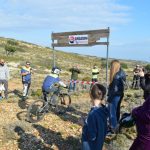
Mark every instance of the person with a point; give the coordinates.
(115, 94)
(95, 73)
(95, 126)
(74, 76)
(50, 82)
(26, 72)
(141, 115)
(4, 76)
(136, 77)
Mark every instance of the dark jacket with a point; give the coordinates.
(142, 118)
(95, 127)
(117, 85)
(74, 73)
(145, 85)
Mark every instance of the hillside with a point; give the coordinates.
(54, 132)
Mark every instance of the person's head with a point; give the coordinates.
(27, 64)
(2, 62)
(147, 85)
(114, 68)
(94, 66)
(137, 66)
(97, 92)
(56, 70)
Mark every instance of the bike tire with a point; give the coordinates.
(64, 103)
(36, 111)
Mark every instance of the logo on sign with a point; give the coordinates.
(78, 39)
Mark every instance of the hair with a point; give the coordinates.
(97, 91)
(115, 67)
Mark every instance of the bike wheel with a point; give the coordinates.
(63, 103)
(36, 111)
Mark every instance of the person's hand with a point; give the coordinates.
(81, 121)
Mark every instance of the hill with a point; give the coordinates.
(55, 131)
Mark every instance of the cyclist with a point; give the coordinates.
(50, 82)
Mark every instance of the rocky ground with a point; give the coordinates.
(55, 132)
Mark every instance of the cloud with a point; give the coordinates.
(62, 13)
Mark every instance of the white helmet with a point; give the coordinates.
(56, 70)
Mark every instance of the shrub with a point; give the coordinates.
(147, 67)
(10, 49)
(124, 65)
(12, 42)
(86, 79)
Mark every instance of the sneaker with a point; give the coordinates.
(110, 135)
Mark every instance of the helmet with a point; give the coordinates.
(56, 70)
(126, 120)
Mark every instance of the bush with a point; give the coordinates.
(86, 79)
(10, 49)
(147, 67)
(124, 65)
(12, 42)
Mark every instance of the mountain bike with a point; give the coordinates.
(57, 103)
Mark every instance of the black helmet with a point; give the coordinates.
(126, 120)
(56, 70)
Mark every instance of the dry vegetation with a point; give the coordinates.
(54, 132)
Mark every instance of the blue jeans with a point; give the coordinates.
(72, 86)
(113, 106)
(85, 146)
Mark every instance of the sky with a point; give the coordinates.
(34, 20)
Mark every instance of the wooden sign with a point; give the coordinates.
(80, 38)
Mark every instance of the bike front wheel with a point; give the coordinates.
(36, 111)
(64, 103)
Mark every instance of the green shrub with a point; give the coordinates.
(12, 42)
(124, 65)
(10, 49)
(147, 67)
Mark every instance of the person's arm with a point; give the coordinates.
(95, 73)
(7, 73)
(92, 128)
(23, 72)
(142, 113)
(113, 89)
(62, 84)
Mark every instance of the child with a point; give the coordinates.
(95, 126)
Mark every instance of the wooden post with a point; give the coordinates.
(107, 56)
(53, 51)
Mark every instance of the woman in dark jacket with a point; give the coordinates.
(115, 92)
(142, 116)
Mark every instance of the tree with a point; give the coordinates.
(10, 47)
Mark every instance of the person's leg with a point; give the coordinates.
(28, 87)
(71, 85)
(118, 108)
(6, 88)
(74, 85)
(113, 112)
(85, 146)
(25, 87)
(134, 80)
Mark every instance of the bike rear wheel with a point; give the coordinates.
(64, 103)
(36, 111)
